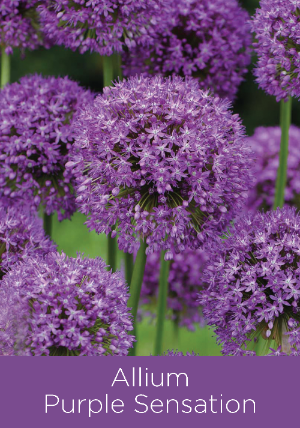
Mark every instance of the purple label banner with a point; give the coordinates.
(144, 391)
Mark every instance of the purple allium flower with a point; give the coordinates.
(185, 282)
(103, 26)
(265, 144)
(19, 27)
(253, 281)
(206, 39)
(21, 236)
(35, 136)
(277, 28)
(172, 353)
(160, 159)
(72, 306)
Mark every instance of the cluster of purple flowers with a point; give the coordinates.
(265, 144)
(277, 28)
(36, 133)
(66, 306)
(19, 26)
(103, 26)
(185, 282)
(207, 40)
(21, 236)
(160, 159)
(253, 282)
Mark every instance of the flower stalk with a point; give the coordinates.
(5, 67)
(162, 302)
(108, 75)
(47, 223)
(128, 259)
(285, 121)
(135, 288)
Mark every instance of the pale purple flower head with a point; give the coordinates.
(265, 144)
(19, 25)
(209, 40)
(253, 280)
(103, 26)
(36, 117)
(160, 159)
(185, 282)
(69, 306)
(277, 28)
(21, 236)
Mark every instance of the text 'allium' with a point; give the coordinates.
(67, 306)
(161, 160)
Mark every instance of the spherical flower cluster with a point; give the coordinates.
(277, 28)
(185, 282)
(160, 159)
(21, 236)
(172, 353)
(209, 40)
(19, 27)
(36, 117)
(70, 306)
(265, 144)
(103, 26)
(253, 282)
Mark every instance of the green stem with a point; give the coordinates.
(108, 70)
(128, 259)
(108, 75)
(48, 224)
(162, 302)
(285, 121)
(135, 288)
(5, 67)
(176, 331)
(112, 252)
(119, 67)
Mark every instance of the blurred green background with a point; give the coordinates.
(252, 104)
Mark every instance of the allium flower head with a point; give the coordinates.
(206, 39)
(21, 236)
(19, 25)
(185, 282)
(253, 280)
(36, 117)
(70, 306)
(277, 28)
(162, 160)
(103, 26)
(265, 144)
